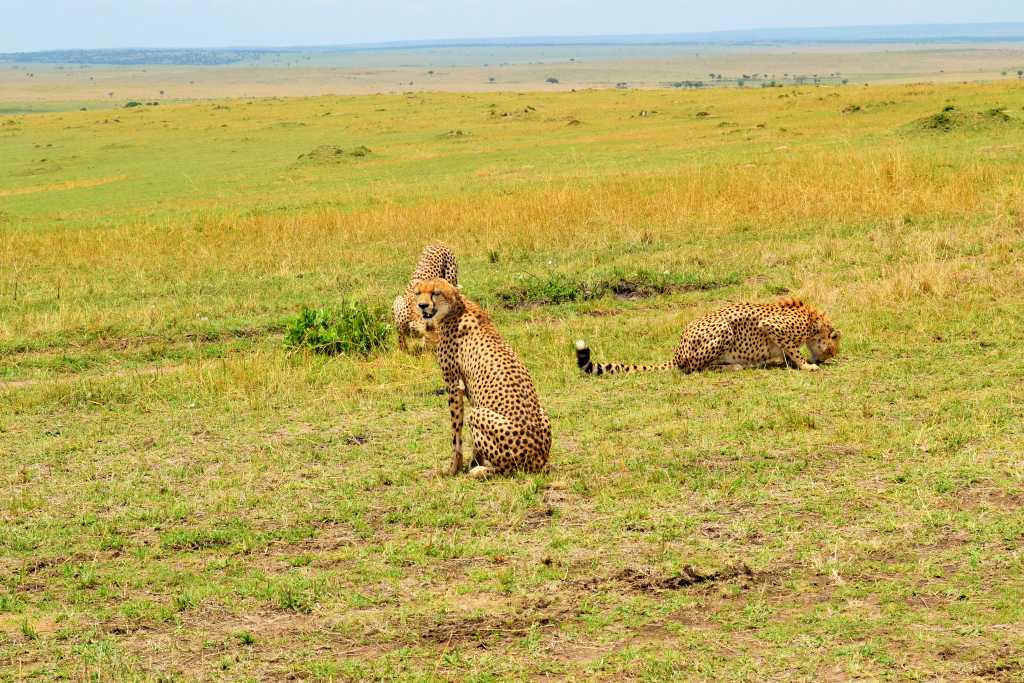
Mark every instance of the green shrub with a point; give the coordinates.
(352, 328)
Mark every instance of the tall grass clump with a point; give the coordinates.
(353, 328)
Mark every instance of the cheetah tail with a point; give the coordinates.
(591, 368)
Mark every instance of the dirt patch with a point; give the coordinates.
(537, 517)
(986, 498)
(646, 580)
(480, 628)
(1008, 666)
(206, 635)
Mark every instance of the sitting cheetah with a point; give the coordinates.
(436, 260)
(742, 335)
(510, 429)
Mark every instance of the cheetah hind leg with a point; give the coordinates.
(490, 449)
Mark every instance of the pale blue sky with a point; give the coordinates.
(52, 24)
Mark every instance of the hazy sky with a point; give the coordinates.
(49, 24)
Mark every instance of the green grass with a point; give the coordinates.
(183, 497)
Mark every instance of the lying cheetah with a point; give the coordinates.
(436, 260)
(742, 335)
(510, 429)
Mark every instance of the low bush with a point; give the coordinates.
(354, 328)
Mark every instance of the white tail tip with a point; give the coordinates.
(580, 344)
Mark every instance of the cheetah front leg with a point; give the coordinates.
(791, 353)
(455, 405)
(456, 393)
(794, 356)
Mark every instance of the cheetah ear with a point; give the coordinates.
(836, 335)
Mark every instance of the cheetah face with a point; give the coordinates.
(435, 299)
(824, 344)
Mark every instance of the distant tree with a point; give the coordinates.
(845, 81)
(1020, 73)
(491, 79)
(740, 82)
(551, 79)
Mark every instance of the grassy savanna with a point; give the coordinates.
(183, 497)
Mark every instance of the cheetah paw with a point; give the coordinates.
(481, 472)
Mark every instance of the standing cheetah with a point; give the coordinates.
(742, 335)
(436, 260)
(510, 429)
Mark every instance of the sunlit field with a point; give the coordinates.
(182, 497)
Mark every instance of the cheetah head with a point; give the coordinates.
(436, 299)
(824, 341)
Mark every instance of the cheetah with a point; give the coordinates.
(511, 432)
(742, 335)
(435, 261)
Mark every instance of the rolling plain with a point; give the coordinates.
(183, 498)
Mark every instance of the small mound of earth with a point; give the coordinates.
(646, 580)
(649, 581)
(952, 119)
(325, 154)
